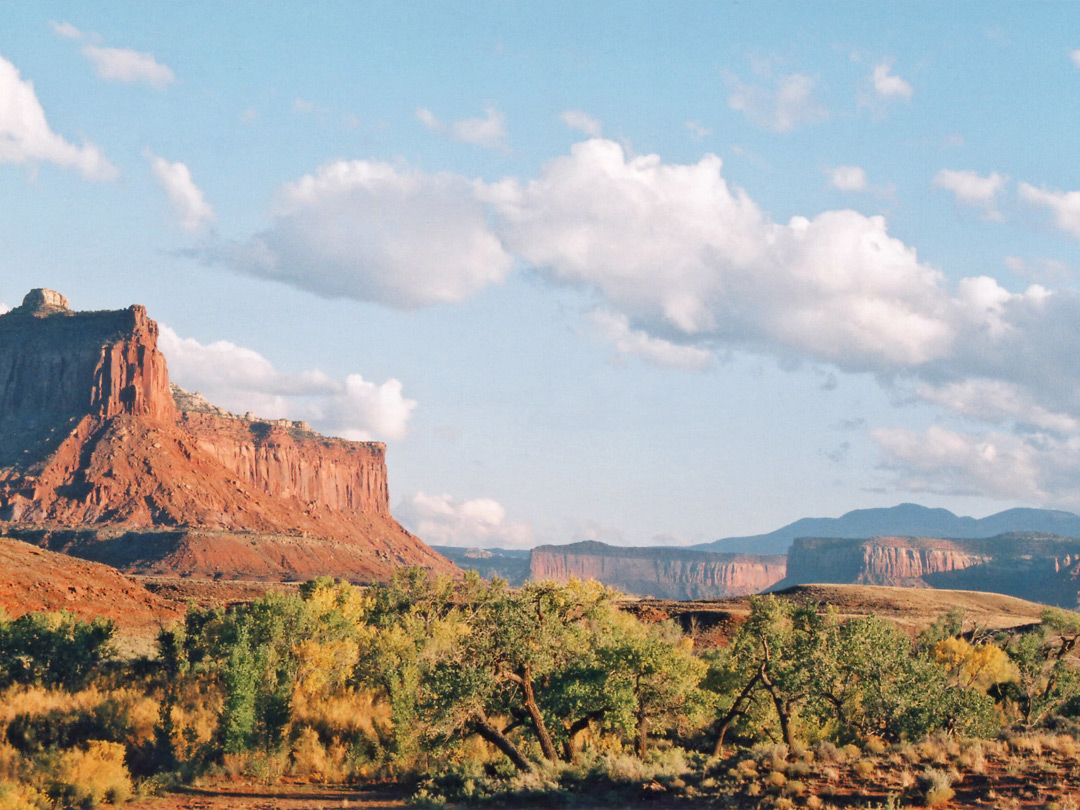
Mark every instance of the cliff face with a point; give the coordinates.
(664, 573)
(1040, 567)
(94, 436)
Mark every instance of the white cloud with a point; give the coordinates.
(1030, 468)
(780, 104)
(678, 251)
(489, 131)
(995, 401)
(888, 85)
(66, 30)
(1065, 206)
(428, 119)
(583, 122)
(1075, 56)
(1041, 269)
(614, 328)
(847, 178)
(128, 66)
(480, 522)
(303, 106)
(685, 266)
(697, 131)
(25, 135)
(377, 232)
(186, 197)
(242, 380)
(4, 308)
(970, 188)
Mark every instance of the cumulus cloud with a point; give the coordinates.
(685, 266)
(583, 122)
(779, 103)
(25, 135)
(888, 85)
(489, 131)
(4, 308)
(476, 523)
(377, 232)
(970, 188)
(1075, 56)
(242, 380)
(128, 66)
(186, 197)
(847, 178)
(681, 253)
(614, 328)
(1065, 206)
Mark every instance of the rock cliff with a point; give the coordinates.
(664, 573)
(1028, 565)
(92, 436)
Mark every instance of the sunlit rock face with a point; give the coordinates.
(93, 436)
(664, 573)
(1030, 565)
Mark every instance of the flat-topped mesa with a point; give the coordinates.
(92, 434)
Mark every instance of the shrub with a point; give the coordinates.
(88, 776)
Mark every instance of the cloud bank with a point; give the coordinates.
(687, 266)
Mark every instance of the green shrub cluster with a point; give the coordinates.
(473, 688)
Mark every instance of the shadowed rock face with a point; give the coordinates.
(664, 573)
(91, 435)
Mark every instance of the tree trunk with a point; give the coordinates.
(642, 736)
(524, 679)
(570, 745)
(733, 712)
(483, 727)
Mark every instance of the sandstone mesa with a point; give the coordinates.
(101, 457)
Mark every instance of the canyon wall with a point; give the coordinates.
(1029, 565)
(95, 436)
(664, 573)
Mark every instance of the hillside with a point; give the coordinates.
(904, 520)
(34, 579)
(100, 457)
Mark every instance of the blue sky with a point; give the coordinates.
(636, 272)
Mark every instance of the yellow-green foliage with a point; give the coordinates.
(974, 666)
(88, 776)
(15, 796)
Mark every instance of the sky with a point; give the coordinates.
(637, 272)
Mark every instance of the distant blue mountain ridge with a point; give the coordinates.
(905, 520)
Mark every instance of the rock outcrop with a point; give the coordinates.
(1040, 567)
(93, 437)
(663, 573)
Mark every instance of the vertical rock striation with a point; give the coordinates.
(664, 573)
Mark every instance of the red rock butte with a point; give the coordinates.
(102, 458)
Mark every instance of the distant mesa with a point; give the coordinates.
(101, 457)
